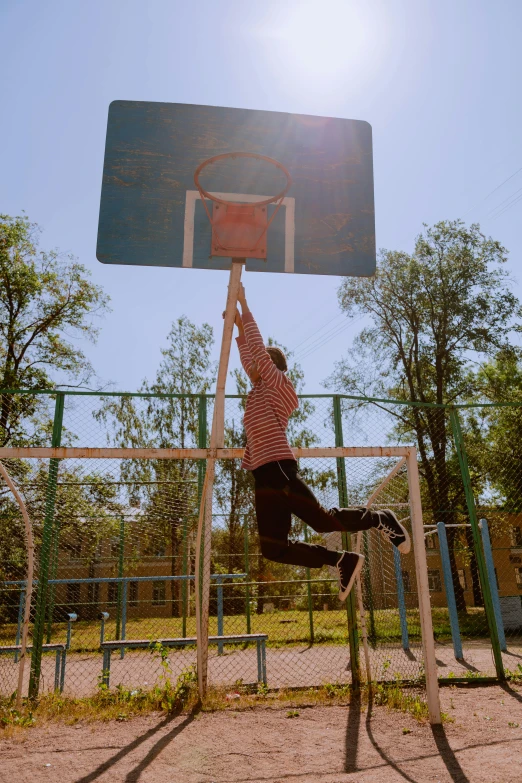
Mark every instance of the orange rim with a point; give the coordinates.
(278, 197)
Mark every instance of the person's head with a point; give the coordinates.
(278, 358)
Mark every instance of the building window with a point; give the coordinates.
(73, 595)
(406, 581)
(133, 593)
(462, 578)
(516, 536)
(75, 550)
(434, 580)
(112, 592)
(518, 577)
(431, 541)
(115, 547)
(159, 593)
(93, 592)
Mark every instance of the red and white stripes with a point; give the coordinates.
(269, 404)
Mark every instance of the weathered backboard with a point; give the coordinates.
(151, 211)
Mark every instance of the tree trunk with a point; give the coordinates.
(475, 579)
(460, 598)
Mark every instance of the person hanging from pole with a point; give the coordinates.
(279, 489)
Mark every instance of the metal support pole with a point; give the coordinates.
(217, 437)
(220, 612)
(184, 583)
(202, 442)
(450, 591)
(20, 621)
(483, 577)
(309, 594)
(372, 636)
(490, 565)
(247, 572)
(103, 617)
(401, 598)
(49, 536)
(125, 585)
(121, 555)
(342, 488)
(54, 549)
(72, 617)
(421, 570)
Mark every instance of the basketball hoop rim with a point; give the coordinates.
(278, 197)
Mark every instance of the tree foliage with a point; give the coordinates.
(47, 302)
(165, 489)
(431, 316)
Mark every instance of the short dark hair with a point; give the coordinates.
(278, 357)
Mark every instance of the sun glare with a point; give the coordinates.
(319, 45)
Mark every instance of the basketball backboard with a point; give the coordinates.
(151, 211)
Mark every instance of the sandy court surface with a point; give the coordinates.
(321, 745)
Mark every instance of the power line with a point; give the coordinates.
(508, 206)
(501, 203)
(316, 331)
(343, 328)
(491, 192)
(319, 338)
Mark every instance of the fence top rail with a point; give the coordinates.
(204, 395)
(106, 579)
(75, 452)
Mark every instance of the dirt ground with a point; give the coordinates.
(483, 744)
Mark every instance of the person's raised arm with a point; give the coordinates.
(271, 375)
(244, 350)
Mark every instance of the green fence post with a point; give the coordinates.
(49, 543)
(309, 592)
(184, 582)
(202, 464)
(472, 511)
(372, 636)
(121, 555)
(55, 532)
(247, 572)
(353, 634)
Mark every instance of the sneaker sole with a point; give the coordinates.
(405, 547)
(343, 594)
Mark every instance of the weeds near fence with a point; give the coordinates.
(515, 675)
(122, 704)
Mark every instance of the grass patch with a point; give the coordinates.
(284, 628)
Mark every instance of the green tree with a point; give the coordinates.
(497, 433)
(167, 489)
(430, 315)
(47, 302)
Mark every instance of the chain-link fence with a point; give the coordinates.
(116, 545)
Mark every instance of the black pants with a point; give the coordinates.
(281, 492)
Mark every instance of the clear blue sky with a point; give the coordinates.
(439, 81)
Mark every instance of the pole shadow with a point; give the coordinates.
(511, 691)
(469, 666)
(447, 755)
(379, 750)
(134, 775)
(96, 773)
(352, 734)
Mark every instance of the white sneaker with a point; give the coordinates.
(348, 568)
(392, 529)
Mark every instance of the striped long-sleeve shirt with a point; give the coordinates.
(269, 404)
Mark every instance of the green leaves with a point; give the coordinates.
(46, 302)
